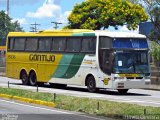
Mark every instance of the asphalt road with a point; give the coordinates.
(134, 96)
(11, 110)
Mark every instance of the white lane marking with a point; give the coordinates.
(130, 100)
(13, 102)
(138, 101)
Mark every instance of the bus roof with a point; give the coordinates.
(119, 34)
(67, 32)
(77, 32)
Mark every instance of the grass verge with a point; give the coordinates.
(87, 105)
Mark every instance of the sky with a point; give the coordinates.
(42, 12)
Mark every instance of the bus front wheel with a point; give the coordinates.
(33, 78)
(24, 78)
(91, 84)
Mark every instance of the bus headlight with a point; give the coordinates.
(147, 77)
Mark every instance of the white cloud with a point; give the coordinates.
(125, 29)
(48, 9)
(67, 13)
(63, 17)
(21, 21)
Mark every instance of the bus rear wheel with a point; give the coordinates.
(91, 84)
(24, 78)
(122, 91)
(33, 78)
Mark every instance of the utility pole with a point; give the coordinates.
(56, 25)
(34, 28)
(8, 7)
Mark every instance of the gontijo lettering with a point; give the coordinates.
(38, 57)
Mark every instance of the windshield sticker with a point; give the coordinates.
(119, 63)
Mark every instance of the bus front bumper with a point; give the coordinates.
(131, 84)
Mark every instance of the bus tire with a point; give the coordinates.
(32, 78)
(91, 84)
(24, 77)
(122, 91)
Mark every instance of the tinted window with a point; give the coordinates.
(89, 44)
(130, 43)
(31, 44)
(74, 44)
(19, 44)
(106, 60)
(11, 42)
(2, 41)
(58, 44)
(45, 44)
(105, 42)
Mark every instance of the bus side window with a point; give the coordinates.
(74, 44)
(58, 44)
(106, 60)
(19, 44)
(44, 44)
(89, 44)
(31, 44)
(10, 43)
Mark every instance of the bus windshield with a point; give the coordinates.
(131, 62)
(123, 55)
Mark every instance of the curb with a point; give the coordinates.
(28, 100)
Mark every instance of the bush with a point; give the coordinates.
(155, 51)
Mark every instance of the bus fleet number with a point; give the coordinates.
(11, 56)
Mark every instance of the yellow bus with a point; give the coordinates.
(96, 59)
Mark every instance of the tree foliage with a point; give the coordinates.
(152, 8)
(155, 51)
(155, 18)
(7, 26)
(134, 1)
(98, 14)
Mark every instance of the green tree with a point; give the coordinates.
(155, 18)
(134, 1)
(152, 8)
(98, 14)
(7, 26)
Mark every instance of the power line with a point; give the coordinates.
(8, 7)
(56, 25)
(34, 28)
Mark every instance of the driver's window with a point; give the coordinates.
(106, 60)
